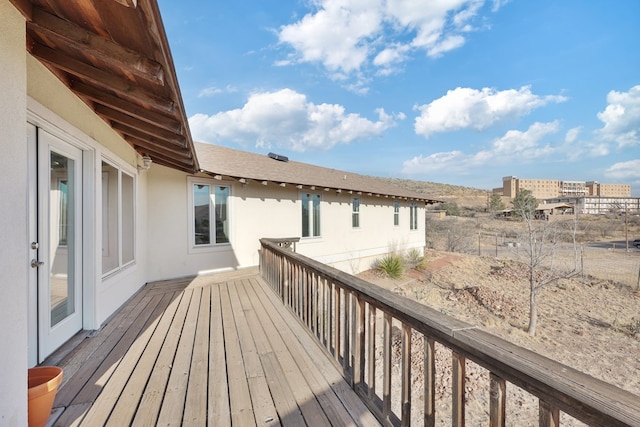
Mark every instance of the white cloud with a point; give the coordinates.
(621, 118)
(286, 118)
(514, 145)
(213, 90)
(464, 108)
(624, 171)
(572, 135)
(348, 37)
(337, 35)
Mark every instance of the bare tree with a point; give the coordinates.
(539, 249)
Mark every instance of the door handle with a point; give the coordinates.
(35, 263)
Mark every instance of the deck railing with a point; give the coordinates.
(343, 312)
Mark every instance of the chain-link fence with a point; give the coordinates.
(607, 261)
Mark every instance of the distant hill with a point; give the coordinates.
(463, 196)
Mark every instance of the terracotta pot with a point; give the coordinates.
(43, 385)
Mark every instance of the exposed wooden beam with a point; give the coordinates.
(154, 146)
(181, 167)
(69, 34)
(157, 158)
(101, 78)
(176, 140)
(100, 97)
(128, 3)
(25, 7)
(151, 130)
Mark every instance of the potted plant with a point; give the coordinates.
(43, 385)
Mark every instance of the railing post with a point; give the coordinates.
(549, 416)
(359, 346)
(371, 352)
(457, 391)
(406, 375)
(429, 382)
(497, 405)
(346, 334)
(336, 321)
(386, 369)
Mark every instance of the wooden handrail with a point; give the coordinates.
(340, 311)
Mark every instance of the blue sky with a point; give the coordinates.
(461, 92)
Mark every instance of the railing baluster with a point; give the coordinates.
(359, 347)
(371, 352)
(346, 331)
(386, 368)
(336, 321)
(497, 405)
(549, 416)
(457, 389)
(429, 382)
(406, 375)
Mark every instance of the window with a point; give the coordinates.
(396, 213)
(310, 215)
(209, 213)
(413, 216)
(118, 218)
(355, 213)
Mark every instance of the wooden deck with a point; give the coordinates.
(215, 350)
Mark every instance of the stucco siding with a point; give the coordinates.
(354, 249)
(258, 211)
(13, 211)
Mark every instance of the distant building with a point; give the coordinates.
(608, 190)
(598, 205)
(543, 189)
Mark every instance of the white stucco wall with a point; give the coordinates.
(60, 108)
(14, 214)
(355, 249)
(258, 211)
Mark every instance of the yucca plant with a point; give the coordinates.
(414, 259)
(392, 265)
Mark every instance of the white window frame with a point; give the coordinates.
(106, 233)
(311, 218)
(355, 212)
(212, 245)
(396, 213)
(413, 216)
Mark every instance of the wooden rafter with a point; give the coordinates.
(149, 145)
(114, 55)
(100, 77)
(64, 32)
(132, 122)
(118, 104)
(173, 139)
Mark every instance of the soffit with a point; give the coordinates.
(114, 55)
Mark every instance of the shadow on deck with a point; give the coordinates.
(217, 350)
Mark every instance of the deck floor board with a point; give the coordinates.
(212, 350)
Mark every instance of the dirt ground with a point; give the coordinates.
(592, 325)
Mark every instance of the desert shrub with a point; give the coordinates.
(392, 265)
(451, 208)
(414, 259)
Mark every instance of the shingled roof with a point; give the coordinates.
(242, 166)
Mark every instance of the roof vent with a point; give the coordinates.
(278, 157)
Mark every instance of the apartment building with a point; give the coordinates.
(550, 188)
(608, 190)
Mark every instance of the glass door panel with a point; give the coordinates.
(59, 263)
(62, 230)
